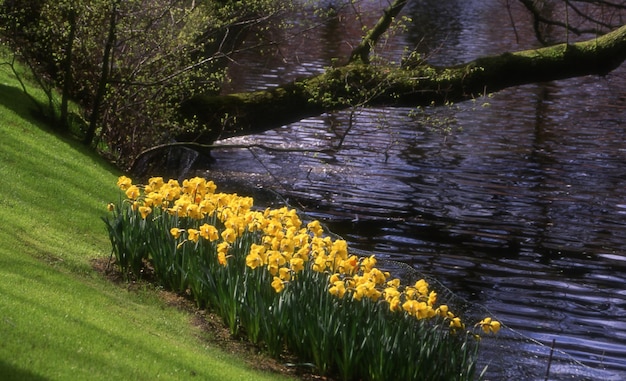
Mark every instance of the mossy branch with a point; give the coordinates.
(362, 51)
(343, 87)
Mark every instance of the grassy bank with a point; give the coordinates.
(59, 320)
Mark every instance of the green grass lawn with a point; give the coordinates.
(59, 319)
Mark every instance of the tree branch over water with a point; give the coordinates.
(393, 86)
(362, 51)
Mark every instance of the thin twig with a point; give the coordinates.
(550, 359)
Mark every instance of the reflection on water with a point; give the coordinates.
(522, 211)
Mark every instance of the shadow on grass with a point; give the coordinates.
(17, 101)
(10, 373)
(38, 113)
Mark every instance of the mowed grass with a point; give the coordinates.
(59, 319)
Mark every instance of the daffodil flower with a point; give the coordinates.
(278, 284)
(221, 258)
(209, 232)
(193, 235)
(254, 260)
(124, 182)
(489, 326)
(176, 232)
(133, 192)
(144, 211)
(229, 235)
(338, 289)
(297, 264)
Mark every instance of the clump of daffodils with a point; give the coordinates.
(218, 245)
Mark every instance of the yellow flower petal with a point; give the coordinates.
(278, 284)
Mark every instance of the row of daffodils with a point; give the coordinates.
(287, 286)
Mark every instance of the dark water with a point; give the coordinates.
(521, 209)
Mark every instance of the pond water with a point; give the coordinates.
(520, 210)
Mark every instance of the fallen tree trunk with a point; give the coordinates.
(359, 84)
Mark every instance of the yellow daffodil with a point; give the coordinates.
(338, 289)
(444, 311)
(320, 263)
(432, 298)
(254, 260)
(422, 287)
(368, 263)
(287, 245)
(189, 187)
(284, 273)
(254, 221)
(495, 326)
(316, 228)
(148, 201)
(415, 308)
(259, 250)
(391, 293)
(194, 211)
(456, 323)
(363, 289)
(373, 293)
(303, 253)
(155, 183)
(124, 182)
(144, 211)
(237, 223)
(207, 207)
(394, 304)
(170, 191)
(133, 192)
(410, 293)
(348, 266)
(209, 232)
(339, 249)
(210, 186)
(278, 284)
(193, 235)
(275, 260)
(410, 307)
(489, 326)
(221, 258)
(273, 228)
(377, 276)
(229, 235)
(180, 207)
(176, 232)
(425, 311)
(297, 264)
(223, 199)
(222, 249)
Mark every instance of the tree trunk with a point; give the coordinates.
(104, 76)
(358, 84)
(67, 70)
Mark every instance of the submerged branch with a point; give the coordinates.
(199, 147)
